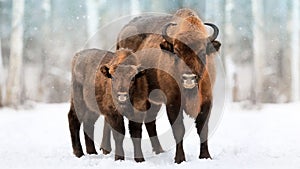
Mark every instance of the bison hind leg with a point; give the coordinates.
(74, 126)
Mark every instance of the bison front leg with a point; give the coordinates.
(118, 130)
(105, 144)
(74, 126)
(202, 129)
(175, 116)
(135, 130)
(151, 129)
(88, 127)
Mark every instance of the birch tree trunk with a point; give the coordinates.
(276, 71)
(239, 47)
(1, 77)
(135, 7)
(295, 43)
(14, 82)
(93, 17)
(258, 48)
(215, 13)
(46, 28)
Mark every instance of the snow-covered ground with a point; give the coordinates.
(267, 138)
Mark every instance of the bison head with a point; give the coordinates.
(192, 46)
(123, 71)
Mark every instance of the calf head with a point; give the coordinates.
(123, 71)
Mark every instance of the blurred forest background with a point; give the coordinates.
(260, 44)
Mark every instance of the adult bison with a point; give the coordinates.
(97, 90)
(184, 35)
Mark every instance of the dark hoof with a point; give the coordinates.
(179, 159)
(105, 152)
(78, 153)
(205, 155)
(92, 152)
(158, 151)
(139, 160)
(117, 157)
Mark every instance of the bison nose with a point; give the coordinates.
(122, 96)
(189, 81)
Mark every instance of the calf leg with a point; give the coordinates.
(105, 144)
(118, 130)
(135, 130)
(175, 116)
(202, 128)
(88, 127)
(74, 126)
(150, 123)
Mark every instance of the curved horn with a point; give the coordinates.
(216, 32)
(164, 32)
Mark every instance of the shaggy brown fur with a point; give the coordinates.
(189, 40)
(97, 77)
(85, 96)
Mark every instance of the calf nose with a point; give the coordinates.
(122, 96)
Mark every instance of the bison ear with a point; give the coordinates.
(212, 47)
(167, 46)
(141, 72)
(105, 71)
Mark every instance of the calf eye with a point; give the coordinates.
(203, 53)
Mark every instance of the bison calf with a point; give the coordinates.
(91, 89)
(102, 83)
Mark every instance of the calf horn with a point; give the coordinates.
(164, 32)
(216, 32)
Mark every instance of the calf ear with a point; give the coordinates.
(105, 71)
(212, 47)
(167, 46)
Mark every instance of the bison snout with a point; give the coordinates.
(122, 97)
(189, 81)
